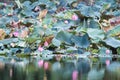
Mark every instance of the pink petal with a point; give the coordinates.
(46, 65)
(40, 63)
(45, 43)
(40, 49)
(74, 17)
(75, 75)
(16, 34)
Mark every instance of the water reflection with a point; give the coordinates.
(78, 69)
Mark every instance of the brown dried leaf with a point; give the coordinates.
(48, 39)
(2, 34)
(106, 29)
(24, 34)
(88, 2)
(42, 14)
(105, 25)
(111, 23)
(114, 21)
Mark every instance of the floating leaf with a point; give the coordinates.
(46, 52)
(8, 41)
(66, 15)
(56, 42)
(95, 34)
(64, 36)
(105, 7)
(18, 4)
(81, 41)
(116, 13)
(70, 49)
(112, 42)
(27, 50)
(14, 50)
(114, 32)
(21, 44)
(31, 40)
(89, 11)
(93, 24)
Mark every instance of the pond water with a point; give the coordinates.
(57, 68)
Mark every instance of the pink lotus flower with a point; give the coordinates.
(66, 22)
(107, 62)
(46, 65)
(37, 8)
(45, 43)
(16, 34)
(40, 49)
(5, 4)
(74, 17)
(107, 51)
(75, 75)
(10, 14)
(40, 63)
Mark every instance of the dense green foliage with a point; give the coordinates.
(59, 26)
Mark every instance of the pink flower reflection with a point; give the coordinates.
(40, 63)
(107, 62)
(107, 51)
(46, 65)
(75, 75)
